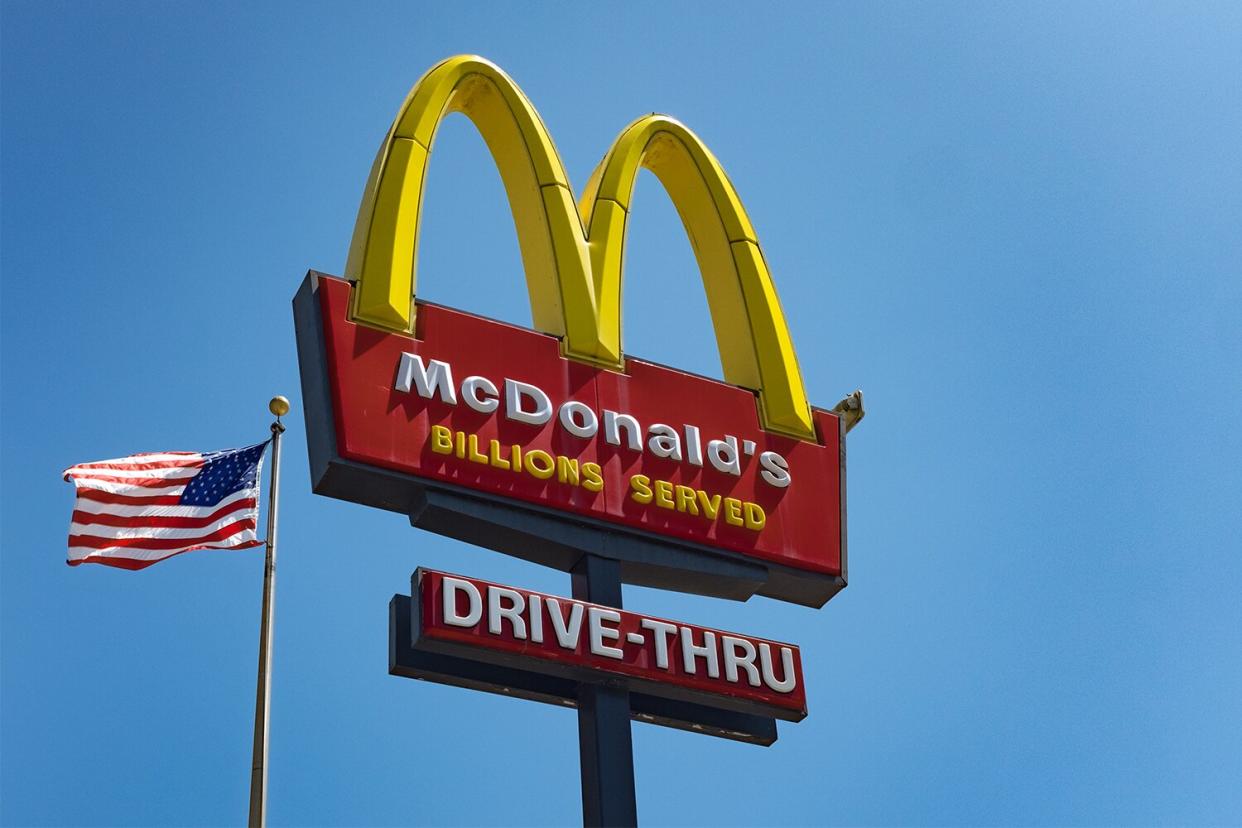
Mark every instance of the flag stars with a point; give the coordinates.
(223, 474)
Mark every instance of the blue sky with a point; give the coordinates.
(1016, 227)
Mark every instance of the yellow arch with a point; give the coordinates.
(383, 252)
(755, 348)
(574, 276)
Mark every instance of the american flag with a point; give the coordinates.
(137, 510)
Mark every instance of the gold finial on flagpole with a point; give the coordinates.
(279, 406)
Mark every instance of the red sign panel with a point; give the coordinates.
(497, 409)
(574, 637)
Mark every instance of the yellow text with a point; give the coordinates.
(537, 463)
(678, 498)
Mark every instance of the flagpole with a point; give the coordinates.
(263, 692)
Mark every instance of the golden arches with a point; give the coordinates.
(574, 274)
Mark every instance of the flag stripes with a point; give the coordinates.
(140, 516)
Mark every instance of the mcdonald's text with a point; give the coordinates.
(530, 404)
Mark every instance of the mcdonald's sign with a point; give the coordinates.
(551, 442)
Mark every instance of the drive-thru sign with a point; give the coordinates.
(504, 625)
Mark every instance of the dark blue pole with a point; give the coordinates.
(605, 750)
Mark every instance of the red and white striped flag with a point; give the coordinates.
(137, 510)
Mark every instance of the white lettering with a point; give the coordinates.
(527, 403)
(787, 684)
(613, 422)
(536, 619)
(723, 454)
(411, 373)
(566, 633)
(596, 616)
(662, 630)
(664, 442)
(484, 403)
(515, 391)
(775, 469)
(730, 646)
(589, 425)
(450, 587)
(495, 611)
(707, 651)
(694, 446)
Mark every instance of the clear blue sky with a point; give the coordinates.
(1015, 226)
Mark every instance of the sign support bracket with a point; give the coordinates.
(605, 747)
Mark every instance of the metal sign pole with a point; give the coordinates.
(605, 749)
